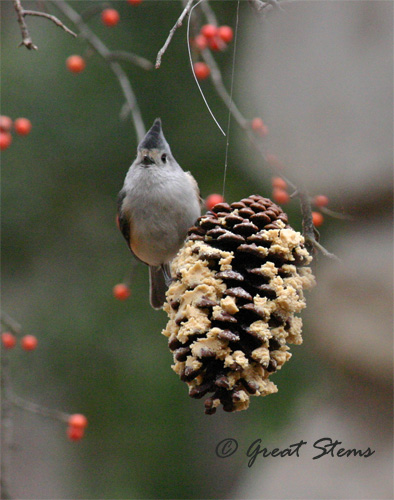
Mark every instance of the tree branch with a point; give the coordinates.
(86, 33)
(260, 6)
(36, 408)
(122, 55)
(209, 13)
(217, 80)
(10, 323)
(26, 39)
(309, 231)
(6, 427)
(52, 18)
(161, 52)
(21, 13)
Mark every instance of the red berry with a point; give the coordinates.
(212, 200)
(78, 420)
(8, 339)
(200, 42)
(29, 342)
(134, 2)
(75, 433)
(22, 126)
(259, 126)
(75, 64)
(110, 17)
(201, 70)
(5, 123)
(321, 200)
(280, 196)
(278, 182)
(317, 219)
(225, 33)
(121, 291)
(209, 30)
(5, 140)
(216, 44)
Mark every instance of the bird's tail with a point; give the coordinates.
(159, 278)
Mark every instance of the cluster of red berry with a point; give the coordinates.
(281, 196)
(214, 37)
(28, 342)
(109, 17)
(21, 126)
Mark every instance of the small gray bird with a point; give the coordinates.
(158, 203)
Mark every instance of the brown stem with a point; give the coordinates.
(31, 407)
(121, 55)
(6, 426)
(309, 231)
(52, 18)
(172, 32)
(10, 323)
(86, 33)
(26, 38)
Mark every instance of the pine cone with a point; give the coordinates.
(238, 281)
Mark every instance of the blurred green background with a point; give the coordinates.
(62, 254)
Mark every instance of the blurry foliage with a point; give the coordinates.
(62, 253)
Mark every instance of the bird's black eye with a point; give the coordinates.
(164, 158)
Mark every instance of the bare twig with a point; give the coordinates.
(324, 251)
(10, 399)
(21, 13)
(309, 231)
(217, 80)
(6, 427)
(93, 9)
(52, 18)
(336, 215)
(10, 323)
(95, 42)
(121, 55)
(36, 408)
(26, 39)
(209, 13)
(177, 25)
(262, 7)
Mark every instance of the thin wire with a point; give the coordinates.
(231, 100)
(191, 64)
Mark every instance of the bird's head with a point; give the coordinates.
(154, 150)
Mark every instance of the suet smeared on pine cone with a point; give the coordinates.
(239, 281)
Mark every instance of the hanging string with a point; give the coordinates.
(191, 63)
(231, 101)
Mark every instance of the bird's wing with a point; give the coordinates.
(125, 222)
(194, 184)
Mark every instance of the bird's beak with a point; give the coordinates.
(147, 160)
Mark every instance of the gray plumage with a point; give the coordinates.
(158, 203)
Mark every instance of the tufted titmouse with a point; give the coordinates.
(158, 203)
